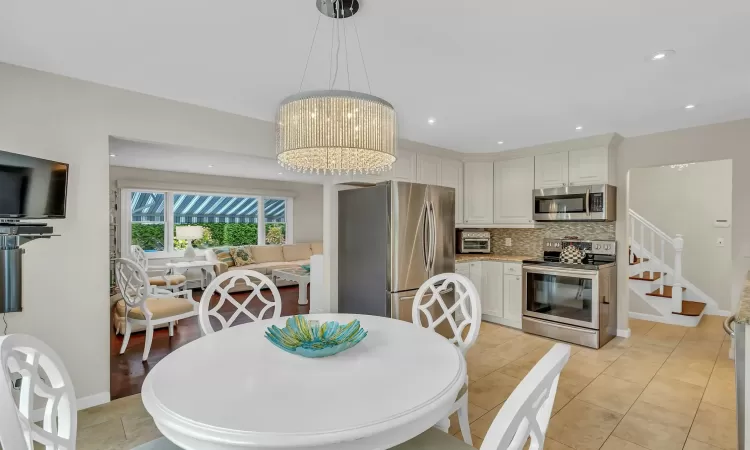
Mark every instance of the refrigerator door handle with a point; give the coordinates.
(433, 238)
(426, 237)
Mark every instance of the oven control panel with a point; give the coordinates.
(595, 247)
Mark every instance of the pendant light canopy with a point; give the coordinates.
(336, 131)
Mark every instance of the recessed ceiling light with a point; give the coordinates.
(579, 128)
(281, 173)
(499, 142)
(210, 165)
(112, 155)
(691, 106)
(661, 55)
(431, 121)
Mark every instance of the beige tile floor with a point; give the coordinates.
(666, 387)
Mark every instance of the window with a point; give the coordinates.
(147, 228)
(274, 214)
(226, 220)
(152, 219)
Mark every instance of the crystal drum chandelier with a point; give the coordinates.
(336, 131)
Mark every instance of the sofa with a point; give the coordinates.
(267, 258)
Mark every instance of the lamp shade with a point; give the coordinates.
(189, 233)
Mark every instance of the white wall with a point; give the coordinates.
(308, 198)
(688, 202)
(730, 140)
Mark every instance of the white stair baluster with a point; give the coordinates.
(662, 263)
(677, 283)
(652, 263)
(632, 233)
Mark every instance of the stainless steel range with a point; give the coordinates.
(571, 294)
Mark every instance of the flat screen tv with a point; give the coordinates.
(32, 188)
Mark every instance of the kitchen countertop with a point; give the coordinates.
(491, 257)
(743, 313)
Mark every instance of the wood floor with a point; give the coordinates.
(127, 371)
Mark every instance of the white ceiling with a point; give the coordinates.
(525, 72)
(173, 158)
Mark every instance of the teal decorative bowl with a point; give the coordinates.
(312, 339)
(305, 267)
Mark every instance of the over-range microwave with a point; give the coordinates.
(595, 203)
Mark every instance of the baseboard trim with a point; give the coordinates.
(623, 333)
(81, 403)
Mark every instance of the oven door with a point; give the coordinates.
(567, 296)
(569, 203)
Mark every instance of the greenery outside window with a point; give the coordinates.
(227, 220)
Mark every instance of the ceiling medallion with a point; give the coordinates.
(336, 131)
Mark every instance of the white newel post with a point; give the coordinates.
(677, 282)
(662, 265)
(630, 235)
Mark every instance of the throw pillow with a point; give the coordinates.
(223, 255)
(241, 255)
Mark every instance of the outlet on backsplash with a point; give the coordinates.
(508, 242)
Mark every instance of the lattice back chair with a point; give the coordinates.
(165, 279)
(142, 304)
(222, 284)
(44, 384)
(463, 317)
(527, 411)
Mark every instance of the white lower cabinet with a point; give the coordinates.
(512, 292)
(499, 286)
(492, 289)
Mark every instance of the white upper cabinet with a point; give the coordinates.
(551, 170)
(514, 183)
(589, 166)
(428, 169)
(452, 175)
(478, 192)
(405, 167)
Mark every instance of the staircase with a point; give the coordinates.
(657, 282)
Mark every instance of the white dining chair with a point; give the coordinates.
(222, 284)
(147, 306)
(45, 386)
(525, 414)
(463, 317)
(164, 278)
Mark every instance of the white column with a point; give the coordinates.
(330, 246)
(677, 282)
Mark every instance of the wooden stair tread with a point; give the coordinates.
(647, 276)
(667, 292)
(692, 309)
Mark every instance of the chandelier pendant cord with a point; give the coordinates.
(338, 44)
(312, 44)
(361, 54)
(346, 57)
(330, 62)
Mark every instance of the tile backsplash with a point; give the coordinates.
(528, 241)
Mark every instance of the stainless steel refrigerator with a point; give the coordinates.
(393, 237)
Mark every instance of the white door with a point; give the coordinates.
(589, 166)
(551, 170)
(428, 169)
(492, 288)
(514, 184)
(512, 301)
(451, 175)
(475, 275)
(405, 167)
(478, 187)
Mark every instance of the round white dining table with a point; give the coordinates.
(235, 390)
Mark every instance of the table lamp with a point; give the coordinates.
(189, 234)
